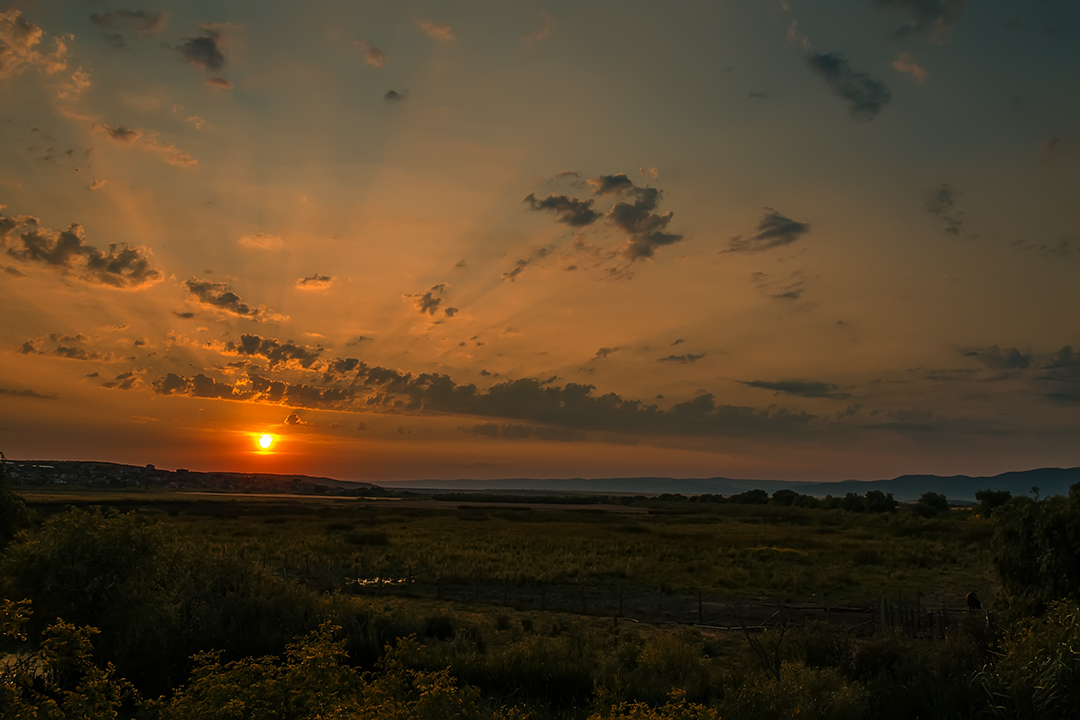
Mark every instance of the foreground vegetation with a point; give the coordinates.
(180, 607)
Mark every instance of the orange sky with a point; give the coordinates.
(426, 240)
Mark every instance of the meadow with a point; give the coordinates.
(164, 604)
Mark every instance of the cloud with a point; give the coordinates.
(220, 296)
(222, 83)
(262, 241)
(144, 23)
(373, 56)
(650, 172)
(204, 52)
(393, 96)
(97, 184)
(147, 142)
(790, 288)
(645, 228)
(123, 381)
(359, 339)
(906, 64)
(569, 211)
(997, 358)
(198, 386)
(443, 33)
(430, 303)
(1064, 247)
(941, 205)
(1063, 371)
(801, 388)
(681, 359)
(933, 18)
(19, 39)
(514, 431)
(1050, 149)
(294, 419)
(273, 352)
(610, 184)
(603, 352)
(314, 282)
(542, 33)
(28, 393)
(121, 266)
(773, 231)
(73, 88)
(865, 96)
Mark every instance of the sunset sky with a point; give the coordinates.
(791, 239)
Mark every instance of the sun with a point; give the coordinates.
(265, 441)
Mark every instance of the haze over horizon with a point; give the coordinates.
(765, 240)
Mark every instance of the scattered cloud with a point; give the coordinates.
(147, 142)
(219, 296)
(646, 230)
(430, 303)
(542, 33)
(28, 393)
(604, 352)
(1064, 247)
(610, 184)
(905, 63)
(997, 358)
(123, 381)
(569, 211)
(682, 359)
(443, 33)
(932, 18)
(757, 95)
(650, 172)
(143, 23)
(294, 419)
(19, 39)
(274, 352)
(514, 431)
(393, 96)
(359, 339)
(865, 96)
(372, 55)
(262, 241)
(97, 184)
(314, 282)
(204, 52)
(774, 230)
(73, 88)
(801, 388)
(942, 205)
(121, 266)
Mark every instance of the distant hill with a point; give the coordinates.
(906, 488)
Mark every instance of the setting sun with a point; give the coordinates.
(265, 441)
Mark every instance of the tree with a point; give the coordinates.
(880, 502)
(931, 503)
(14, 515)
(990, 499)
(1036, 550)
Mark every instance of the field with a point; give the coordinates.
(546, 608)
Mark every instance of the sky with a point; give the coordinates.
(743, 238)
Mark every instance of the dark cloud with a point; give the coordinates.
(123, 381)
(359, 339)
(941, 204)
(519, 267)
(184, 315)
(28, 393)
(198, 386)
(430, 303)
(933, 18)
(865, 96)
(802, 388)
(757, 96)
(393, 96)
(773, 231)
(219, 295)
(314, 282)
(646, 229)
(121, 134)
(569, 211)
(121, 266)
(610, 184)
(604, 352)
(1064, 247)
(679, 341)
(997, 358)
(512, 431)
(203, 51)
(273, 352)
(143, 23)
(681, 359)
(29, 349)
(1062, 371)
(294, 419)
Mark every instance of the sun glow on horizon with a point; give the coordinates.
(265, 441)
